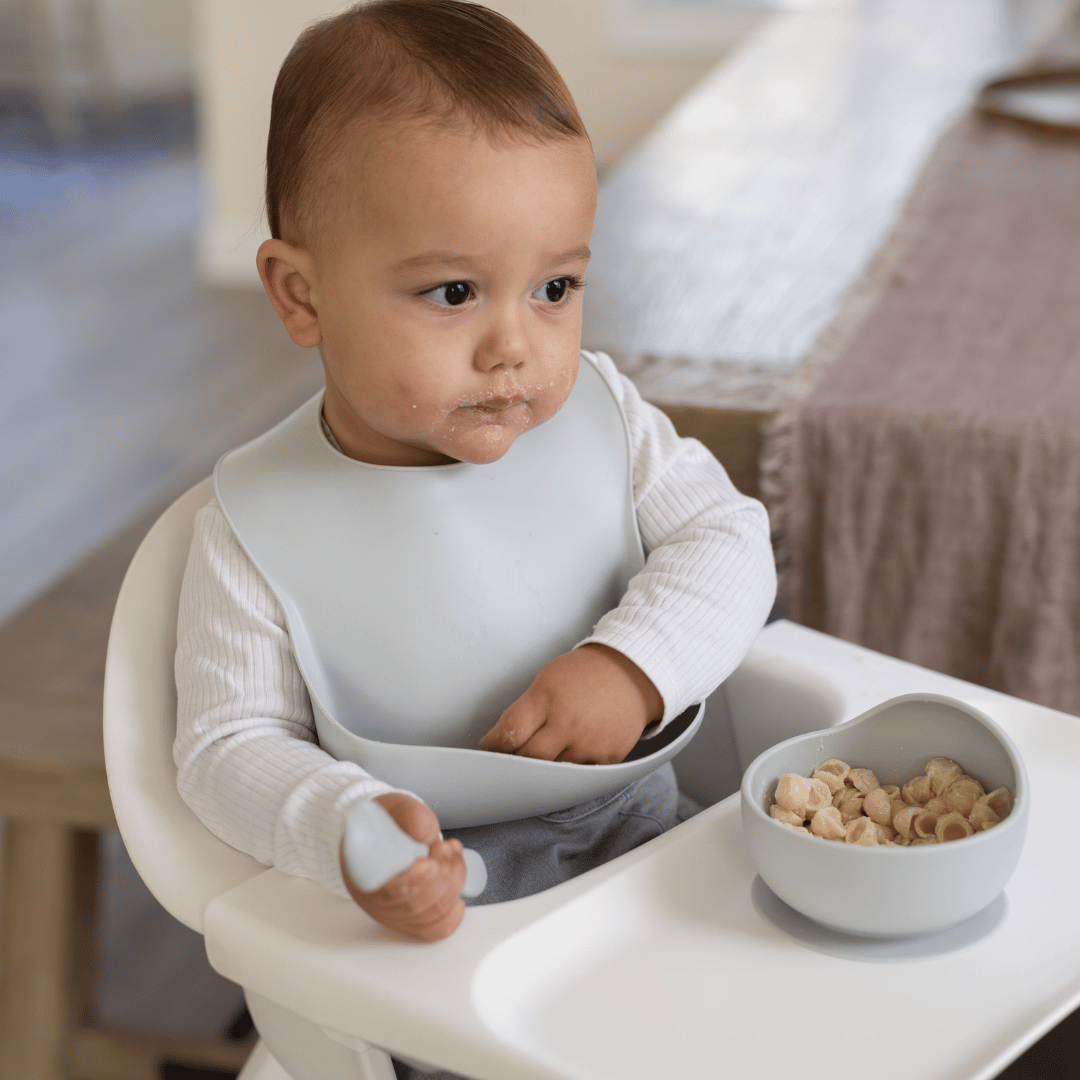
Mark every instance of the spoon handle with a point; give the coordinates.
(376, 850)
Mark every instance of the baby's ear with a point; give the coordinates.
(286, 272)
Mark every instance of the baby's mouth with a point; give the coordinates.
(493, 406)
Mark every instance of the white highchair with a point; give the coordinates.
(657, 964)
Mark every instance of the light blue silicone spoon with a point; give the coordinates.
(376, 850)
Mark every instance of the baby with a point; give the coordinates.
(431, 193)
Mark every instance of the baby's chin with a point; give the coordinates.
(483, 445)
(481, 436)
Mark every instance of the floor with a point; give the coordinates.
(123, 382)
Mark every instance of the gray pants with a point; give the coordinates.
(525, 857)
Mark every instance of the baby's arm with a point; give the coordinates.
(247, 760)
(686, 620)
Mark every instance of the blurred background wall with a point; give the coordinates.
(71, 51)
(625, 61)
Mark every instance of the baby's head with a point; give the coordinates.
(430, 192)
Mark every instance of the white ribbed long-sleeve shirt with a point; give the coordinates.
(248, 761)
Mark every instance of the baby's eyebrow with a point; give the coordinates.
(578, 254)
(448, 258)
(433, 258)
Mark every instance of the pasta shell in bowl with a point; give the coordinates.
(923, 831)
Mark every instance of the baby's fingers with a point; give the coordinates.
(516, 726)
(411, 816)
(425, 900)
(439, 873)
(548, 743)
(447, 854)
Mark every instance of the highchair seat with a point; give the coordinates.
(183, 864)
(656, 964)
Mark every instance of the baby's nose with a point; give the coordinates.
(505, 345)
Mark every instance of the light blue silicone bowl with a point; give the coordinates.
(890, 892)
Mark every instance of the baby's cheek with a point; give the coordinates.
(562, 383)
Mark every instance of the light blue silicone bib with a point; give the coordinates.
(422, 601)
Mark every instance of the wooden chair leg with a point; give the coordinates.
(47, 938)
(36, 951)
(84, 863)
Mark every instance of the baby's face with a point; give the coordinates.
(449, 297)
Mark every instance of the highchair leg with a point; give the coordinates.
(375, 1064)
(261, 1065)
(292, 1048)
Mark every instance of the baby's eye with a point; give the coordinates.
(452, 294)
(553, 291)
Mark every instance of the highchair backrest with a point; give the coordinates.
(183, 864)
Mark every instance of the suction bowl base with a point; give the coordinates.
(824, 939)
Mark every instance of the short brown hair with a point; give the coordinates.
(444, 60)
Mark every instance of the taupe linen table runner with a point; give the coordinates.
(932, 491)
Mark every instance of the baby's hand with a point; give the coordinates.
(589, 706)
(424, 900)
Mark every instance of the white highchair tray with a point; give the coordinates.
(659, 964)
